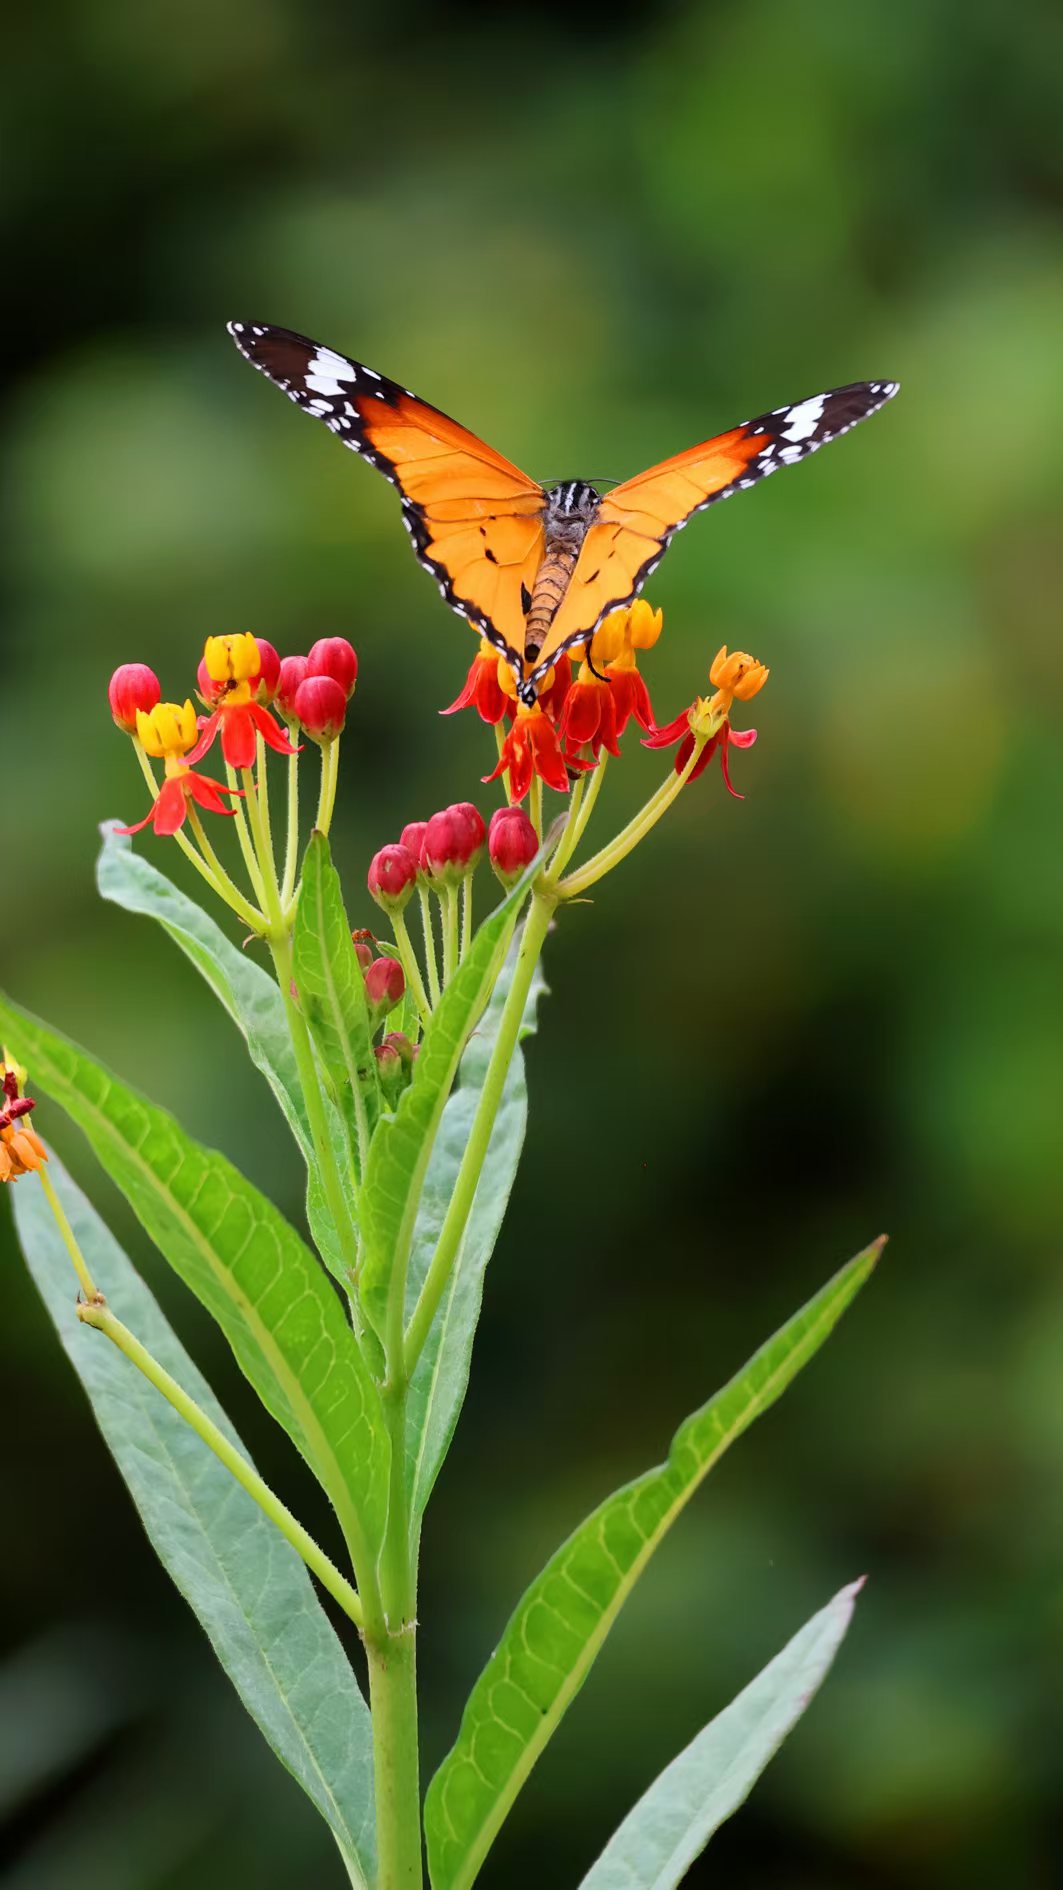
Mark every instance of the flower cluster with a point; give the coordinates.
(21, 1149)
(254, 704)
(576, 716)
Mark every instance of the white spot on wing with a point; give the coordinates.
(804, 420)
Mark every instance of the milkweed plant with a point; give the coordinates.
(394, 1051)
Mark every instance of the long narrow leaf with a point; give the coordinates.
(246, 1584)
(552, 1639)
(402, 1144)
(673, 1821)
(253, 1002)
(331, 990)
(241, 1258)
(439, 1383)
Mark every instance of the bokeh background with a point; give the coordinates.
(834, 1008)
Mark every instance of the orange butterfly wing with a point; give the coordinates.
(476, 521)
(637, 520)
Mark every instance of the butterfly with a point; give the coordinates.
(534, 568)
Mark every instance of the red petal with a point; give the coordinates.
(209, 726)
(208, 793)
(271, 732)
(671, 732)
(171, 806)
(238, 743)
(150, 815)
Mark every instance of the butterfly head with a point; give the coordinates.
(571, 501)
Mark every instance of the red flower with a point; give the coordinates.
(680, 731)
(240, 723)
(483, 691)
(588, 719)
(629, 692)
(182, 784)
(531, 747)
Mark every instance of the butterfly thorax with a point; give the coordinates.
(571, 509)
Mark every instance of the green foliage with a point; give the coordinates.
(402, 1145)
(439, 1382)
(247, 1265)
(560, 1623)
(674, 1820)
(248, 1587)
(251, 997)
(331, 992)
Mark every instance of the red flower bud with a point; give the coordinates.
(269, 670)
(512, 843)
(453, 842)
(133, 686)
(392, 876)
(320, 708)
(412, 838)
(292, 672)
(335, 657)
(394, 1062)
(385, 986)
(363, 942)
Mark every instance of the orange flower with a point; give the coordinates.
(165, 734)
(233, 668)
(738, 676)
(21, 1149)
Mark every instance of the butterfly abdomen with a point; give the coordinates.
(571, 510)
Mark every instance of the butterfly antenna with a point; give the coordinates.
(588, 658)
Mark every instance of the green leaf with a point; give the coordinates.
(551, 1641)
(246, 1584)
(331, 988)
(402, 1144)
(672, 1822)
(437, 1390)
(241, 1258)
(251, 997)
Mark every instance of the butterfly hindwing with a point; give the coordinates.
(637, 520)
(474, 518)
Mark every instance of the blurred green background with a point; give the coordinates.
(834, 1008)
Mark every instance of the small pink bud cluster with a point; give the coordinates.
(385, 988)
(312, 692)
(438, 852)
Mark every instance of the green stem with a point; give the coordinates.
(393, 1701)
(244, 836)
(412, 970)
(589, 801)
(531, 944)
(81, 1265)
(466, 914)
(291, 849)
(448, 905)
(566, 845)
(103, 1320)
(500, 742)
(637, 829)
(430, 956)
(535, 804)
(214, 873)
(330, 774)
(223, 884)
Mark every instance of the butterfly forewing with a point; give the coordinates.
(637, 520)
(474, 518)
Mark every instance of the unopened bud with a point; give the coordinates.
(394, 1063)
(320, 708)
(335, 657)
(512, 843)
(453, 843)
(385, 986)
(269, 670)
(392, 876)
(292, 673)
(133, 686)
(362, 940)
